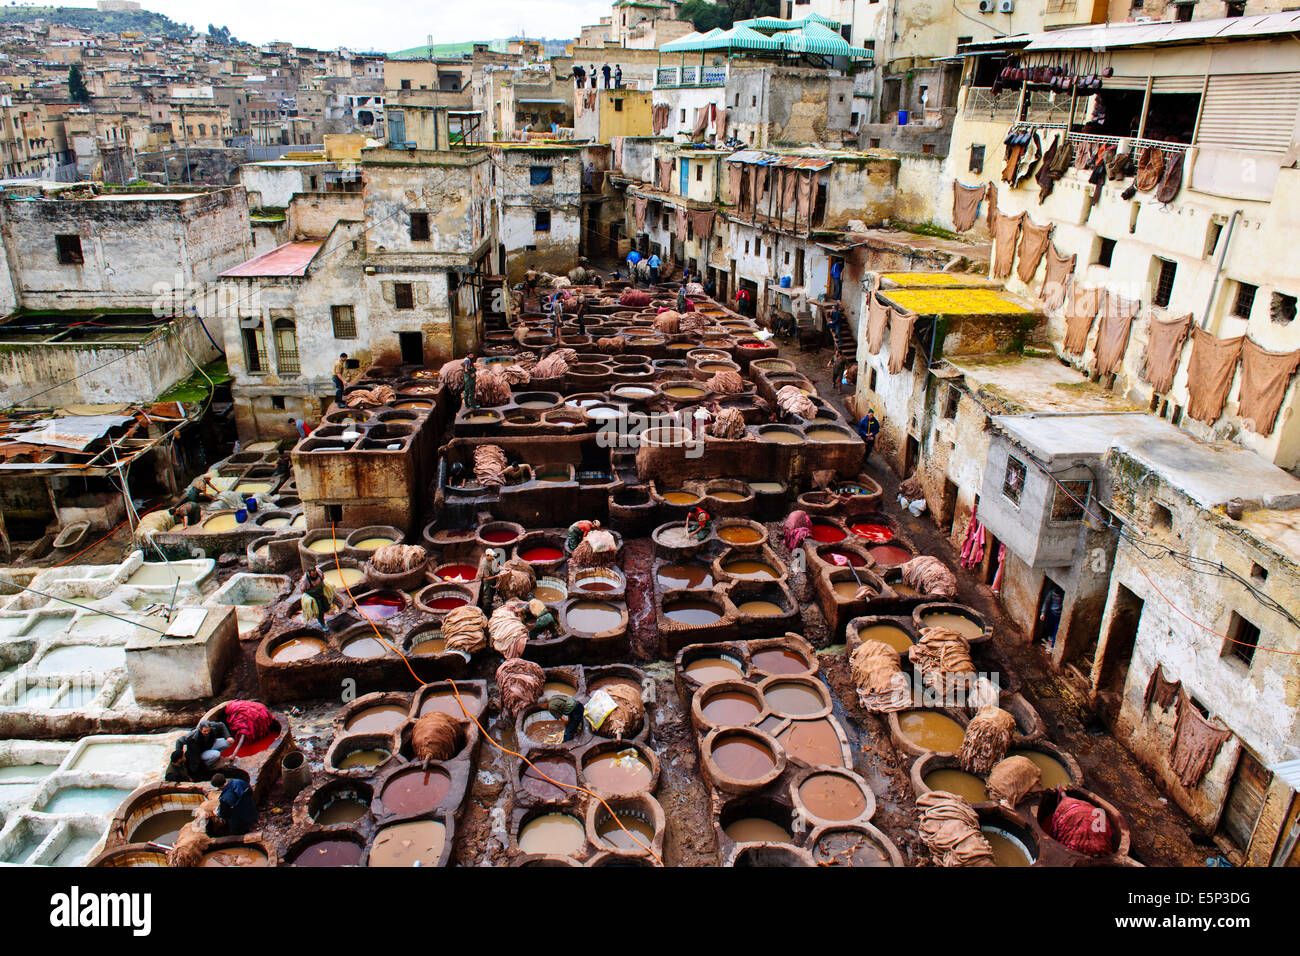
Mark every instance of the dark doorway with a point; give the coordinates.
(911, 455)
(1050, 602)
(1115, 659)
(948, 506)
(412, 345)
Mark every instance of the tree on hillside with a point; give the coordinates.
(77, 86)
(706, 16)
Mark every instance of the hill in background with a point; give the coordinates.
(145, 22)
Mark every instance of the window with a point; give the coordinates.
(1243, 639)
(1069, 500)
(1258, 573)
(1014, 482)
(1244, 301)
(542, 220)
(286, 347)
(345, 322)
(403, 296)
(69, 249)
(1105, 249)
(683, 116)
(1184, 13)
(1161, 517)
(618, 106)
(699, 172)
(539, 175)
(419, 226)
(277, 402)
(1282, 310)
(1235, 9)
(962, 41)
(952, 401)
(737, 103)
(1164, 282)
(254, 350)
(977, 158)
(758, 247)
(406, 84)
(753, 101)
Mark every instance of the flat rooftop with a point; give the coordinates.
(1025, 384)
(957, 301)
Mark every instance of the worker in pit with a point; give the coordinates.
(202, 747)
(579, 530)
(540, 621)
(235, 807)
(698, 524)
(570, 710)
(469, 395)
(492, 574)
(187, 513)
(318, 598)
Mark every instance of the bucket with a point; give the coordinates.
(241, 515)
(294, 772)
(902, 117)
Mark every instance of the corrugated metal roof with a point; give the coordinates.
(757, 157)
(1108, 36)
(1289, 771)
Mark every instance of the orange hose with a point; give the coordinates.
(488, 737)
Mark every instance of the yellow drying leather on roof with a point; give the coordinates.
(913, 279)
(954, 302)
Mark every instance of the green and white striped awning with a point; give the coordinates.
(808, 36)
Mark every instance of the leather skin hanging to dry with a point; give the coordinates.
(1160, 690)
(990, 204)
(1005, 230)
(1033, 243)
(664, 174)
(1196, 743)
(1265, 376)
(877, 323)
(900, 336)
(1084, 305)
(1055, 277)
(1172, 181)
(638, 211)
(1151, 166)
(1164, 350)
(1209, 374)
(1113, 333)
(965, 205)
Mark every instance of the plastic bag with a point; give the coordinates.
(599, 706)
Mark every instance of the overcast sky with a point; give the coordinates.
(384, 24)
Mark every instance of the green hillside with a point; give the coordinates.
(99, 21)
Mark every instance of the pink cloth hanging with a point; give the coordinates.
(996, 586)
(972, 549)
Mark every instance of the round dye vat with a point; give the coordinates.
(889, 555)
(622, 771)
(380, 607)
(541, 554)
(418, 843)
(1007, 849)
(904, 589)
(826, 533)
(554, 688)
(358, 759)
(592, 617)
(766, 487)
(680, 497)
(499, 535)
(684, 391)
(742, 758)
(415, 791)
(542, 728)
(875, 533)
(344, 809)
(846, 590)
(558, 833)
(380, 719)
(429, 645)
(327, 545)
(740, 534)
(1055, 773)
(624, 831)
(246, 748)
(779, 660)
(706, 670)
(844, 558)
(966, 785)
(815, 742)
(634, 391)
(727, 496)
(730, 708)
(890, 634)
(595, 582)
(931, 730)
(760, 608)
(329, 853)
(364, 647)
(447, 602)
(792, 699)
(963, 625)
(457, 573)
(694, 613)
(220, 524)
(162, 827)
(343, 578)
(781, 437)
(757, 570)
(478, 418)
(831, 796)
(235, 856)
(297, 649)
(757, 830)
(561, 771)
(690, 576)
(826, 434)
(447, 702)
(299, 522)
(547, 594)
(374, 544)
(849, 848)
(753, 345)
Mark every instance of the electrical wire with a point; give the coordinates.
(465, 710)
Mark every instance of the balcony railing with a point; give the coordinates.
(669, 76)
